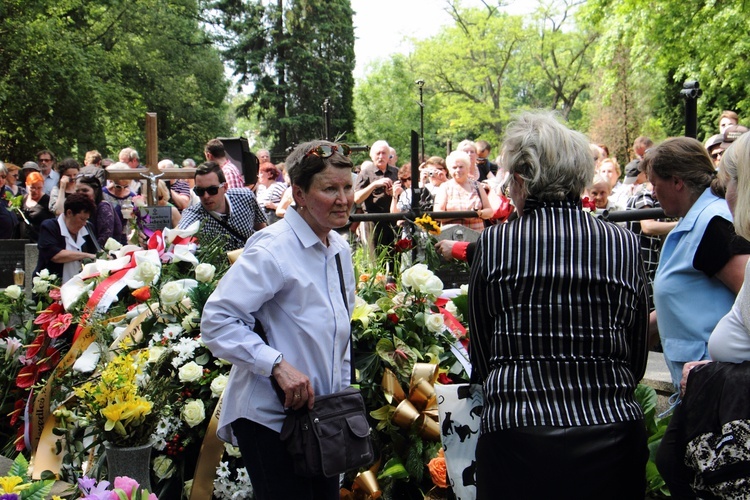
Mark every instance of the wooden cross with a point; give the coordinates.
(153, 174)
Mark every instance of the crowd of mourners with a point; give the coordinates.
(564, 305)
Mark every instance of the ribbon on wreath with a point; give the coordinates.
(420, 406)
(457, 329)
(209, 457)
(38, 429)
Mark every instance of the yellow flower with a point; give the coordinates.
(12, 484)
(362, 311)
(429, 225)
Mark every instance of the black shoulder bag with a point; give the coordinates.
(334, 436)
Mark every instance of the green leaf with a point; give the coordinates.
(383, 413)
(393, 468)
(37, 490)
(20, 467)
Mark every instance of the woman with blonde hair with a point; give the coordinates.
(460, 194)
(11, 181)
(163, 201)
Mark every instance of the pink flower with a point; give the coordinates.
(127, 484)
(59, 325)
(54, 294)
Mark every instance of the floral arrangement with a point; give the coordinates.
(116, 403)
(406, 339)
(125, 488)
(143, 376)
(417, 243)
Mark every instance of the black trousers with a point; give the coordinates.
(271, 469)
(578, 463)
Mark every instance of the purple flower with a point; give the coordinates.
(9, 496)
(85, 483)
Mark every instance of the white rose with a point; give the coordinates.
(187, 488)
(464, 289)
(415, 276)
(146, 271)
(194, 412)
(218, 384)
(451, 308)
(112, 245)
(163, 467)
(191, 321)
(205, 272)
(44, 274)
(190, 372)
(40, 286)
(435, 323)
(172, 293)
(13, 291)
(186, 303)
(432, 286)
(155, 352)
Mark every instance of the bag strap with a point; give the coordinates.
(226, 226)
(92, 234)
(346, 303)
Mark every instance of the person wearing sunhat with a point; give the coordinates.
(731, 133)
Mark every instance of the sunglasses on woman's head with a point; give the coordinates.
(211, 190)
(326, 151)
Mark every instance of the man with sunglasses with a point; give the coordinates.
(234, 213)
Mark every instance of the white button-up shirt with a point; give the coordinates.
(288, 280)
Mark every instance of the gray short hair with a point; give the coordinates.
(554, 161)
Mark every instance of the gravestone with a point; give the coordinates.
(11, 253)
(159, 217)
(455, 273)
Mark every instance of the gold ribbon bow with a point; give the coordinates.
(365, 486)
(421, 404)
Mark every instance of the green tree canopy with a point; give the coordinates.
(83, 75)
(292, 56)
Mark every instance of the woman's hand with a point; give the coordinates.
(297, 389)
(64, 180)
(686, 372)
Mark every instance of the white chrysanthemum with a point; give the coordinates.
(223, 469)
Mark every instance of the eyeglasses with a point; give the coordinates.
(211, 190)
(717, 155)
(118, 187)
(326, 151)
(45, 160)
(405, 179)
